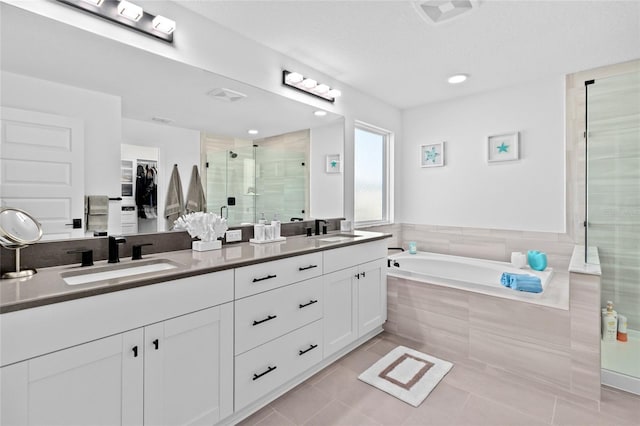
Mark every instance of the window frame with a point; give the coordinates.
(387, 170)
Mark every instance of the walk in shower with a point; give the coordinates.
(613, 213)
(246, 178)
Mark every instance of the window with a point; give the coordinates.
(371, 175)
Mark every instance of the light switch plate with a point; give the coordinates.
(235, 235)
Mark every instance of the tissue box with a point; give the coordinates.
(206, 245)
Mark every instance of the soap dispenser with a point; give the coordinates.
(262, 220)
(276, 226)
(609, 323)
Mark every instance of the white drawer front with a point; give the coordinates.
(265, 316)
(346, 257)
(269, 275)
(266, 367)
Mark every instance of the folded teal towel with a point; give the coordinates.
(522, 282)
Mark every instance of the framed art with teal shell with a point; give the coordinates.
(334, 165)
(503, 147)
(432, 155)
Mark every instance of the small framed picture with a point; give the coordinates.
(432, 155)
(334, 165)
(503, 147)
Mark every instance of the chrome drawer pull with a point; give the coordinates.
(307, 350)
(269, 318)
(311, 302)
(268, 277)
(269, 370)
(307, 267)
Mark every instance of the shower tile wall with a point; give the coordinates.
(283, 175)
(614, 189)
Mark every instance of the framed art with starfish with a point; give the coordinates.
(432, 155)
(503, 147)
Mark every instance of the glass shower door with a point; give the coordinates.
(613, 210)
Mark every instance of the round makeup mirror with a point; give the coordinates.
(17, 230)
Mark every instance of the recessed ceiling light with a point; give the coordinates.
(320, 113)
(130, 10)
(458, 78)
(252, 132)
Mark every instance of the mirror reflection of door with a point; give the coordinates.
(142, 196)
(42, 157)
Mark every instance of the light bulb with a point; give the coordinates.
(322, 89)
(294, 77)
(163, 24)
(320, 113)
(334, 93)
(252, 132)
(130, 10)
(458, 78)
(309, 83)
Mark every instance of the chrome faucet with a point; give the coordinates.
(114, 256)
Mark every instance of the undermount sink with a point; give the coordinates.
(336, 238)
(117, 271)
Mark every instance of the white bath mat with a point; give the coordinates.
(406, 374)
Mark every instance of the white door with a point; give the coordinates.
(340, 310)
(372, 291)
(42, 169)
(189, 368)
(96, 383)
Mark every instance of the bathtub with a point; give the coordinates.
(464, 273)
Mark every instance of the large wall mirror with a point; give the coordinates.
(85, 116)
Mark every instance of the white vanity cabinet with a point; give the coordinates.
(355, 293)
(173, 371)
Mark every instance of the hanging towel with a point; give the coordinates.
(174, 206)
(522, 282)
(97, 209)
(196, 201)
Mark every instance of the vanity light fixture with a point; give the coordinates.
(308, 85)
(129, 15)
(252, 132)
(96, 3)
(320, 113)
(130, 10)
(457, 79)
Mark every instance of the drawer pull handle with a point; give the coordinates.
(357, 276)
(135, 351)
(156, 344)
(363, 275)
(307, 350)
(304, 268)
(269, 318)
(269, 370)
(268, 277)
(311, 302)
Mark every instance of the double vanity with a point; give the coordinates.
(185, 337)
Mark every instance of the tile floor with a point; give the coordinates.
(471, 394)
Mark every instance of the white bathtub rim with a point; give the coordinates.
(548, 298)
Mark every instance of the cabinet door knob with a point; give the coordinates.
(156, 344)
(135, 351)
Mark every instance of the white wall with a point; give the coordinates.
(527, 194)
(102, 131)
(175, 146)
(326, 189)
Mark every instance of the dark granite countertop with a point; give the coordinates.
(47, 286)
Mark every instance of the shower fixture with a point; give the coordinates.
(232, 154)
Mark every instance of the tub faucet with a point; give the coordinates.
(395, 248)
(114, 256)
(318, 226)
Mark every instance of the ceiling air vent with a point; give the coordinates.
(227, 95)
(437, 11)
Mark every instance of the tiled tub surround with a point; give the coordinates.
(554, 346)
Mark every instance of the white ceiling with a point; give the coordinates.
(385, 49)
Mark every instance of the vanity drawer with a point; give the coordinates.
(346, 257)
(269, 275)
(265, 316)
(266, 367)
